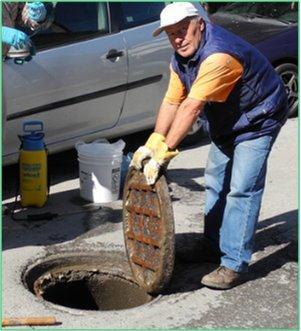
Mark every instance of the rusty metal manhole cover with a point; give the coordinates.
(148, 226)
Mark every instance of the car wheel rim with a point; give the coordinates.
(289, 79)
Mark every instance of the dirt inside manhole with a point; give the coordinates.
(84, 286)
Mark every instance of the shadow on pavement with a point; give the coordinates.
(185, 178)
(187, 275)
(277, 230)
(62, 167)
(85, 220)
(274, 261)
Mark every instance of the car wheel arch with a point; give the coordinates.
(284, 60)
(281, 67)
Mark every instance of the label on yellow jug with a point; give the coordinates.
(33, 178)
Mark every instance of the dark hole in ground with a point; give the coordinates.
(74, 295)
(86, 291)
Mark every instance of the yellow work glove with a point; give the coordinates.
(161, 156)
(147, 150)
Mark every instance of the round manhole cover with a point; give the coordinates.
(84, 283)
(148, 227)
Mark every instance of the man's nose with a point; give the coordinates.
(178, 39)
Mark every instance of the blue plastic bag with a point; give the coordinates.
(126, 160)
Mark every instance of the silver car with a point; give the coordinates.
(98, 72)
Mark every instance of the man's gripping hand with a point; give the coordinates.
(162, 155)
(146, 151)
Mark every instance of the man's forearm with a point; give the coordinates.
(186, 115)
(165, 118)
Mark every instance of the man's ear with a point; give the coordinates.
(202, 24)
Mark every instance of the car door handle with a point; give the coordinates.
(113, 53)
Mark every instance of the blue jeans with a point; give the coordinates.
(235, 180)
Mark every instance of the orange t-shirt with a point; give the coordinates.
(216, 78)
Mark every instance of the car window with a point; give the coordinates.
(74, 21)
(287, 11)
(139, 13)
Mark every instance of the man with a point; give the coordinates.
(245, 103)
(34, 15)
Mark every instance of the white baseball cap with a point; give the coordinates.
(174, 13)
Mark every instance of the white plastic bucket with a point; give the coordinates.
(99, 170)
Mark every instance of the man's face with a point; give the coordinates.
(186, 35)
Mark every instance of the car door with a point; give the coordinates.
(148, 62)
(76, 82)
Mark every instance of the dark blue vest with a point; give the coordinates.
(256, 106)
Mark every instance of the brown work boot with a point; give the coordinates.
(222, 278)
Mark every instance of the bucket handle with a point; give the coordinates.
(100, 140)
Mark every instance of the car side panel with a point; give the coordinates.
(149, 59)
(281, 46)
(83, 89)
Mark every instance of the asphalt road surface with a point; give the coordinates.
(268, 299)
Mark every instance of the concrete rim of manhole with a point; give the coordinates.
(91, 282)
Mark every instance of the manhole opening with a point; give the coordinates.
(91, 292)
(73, 294)
(84, 289)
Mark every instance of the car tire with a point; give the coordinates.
(289, 75)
